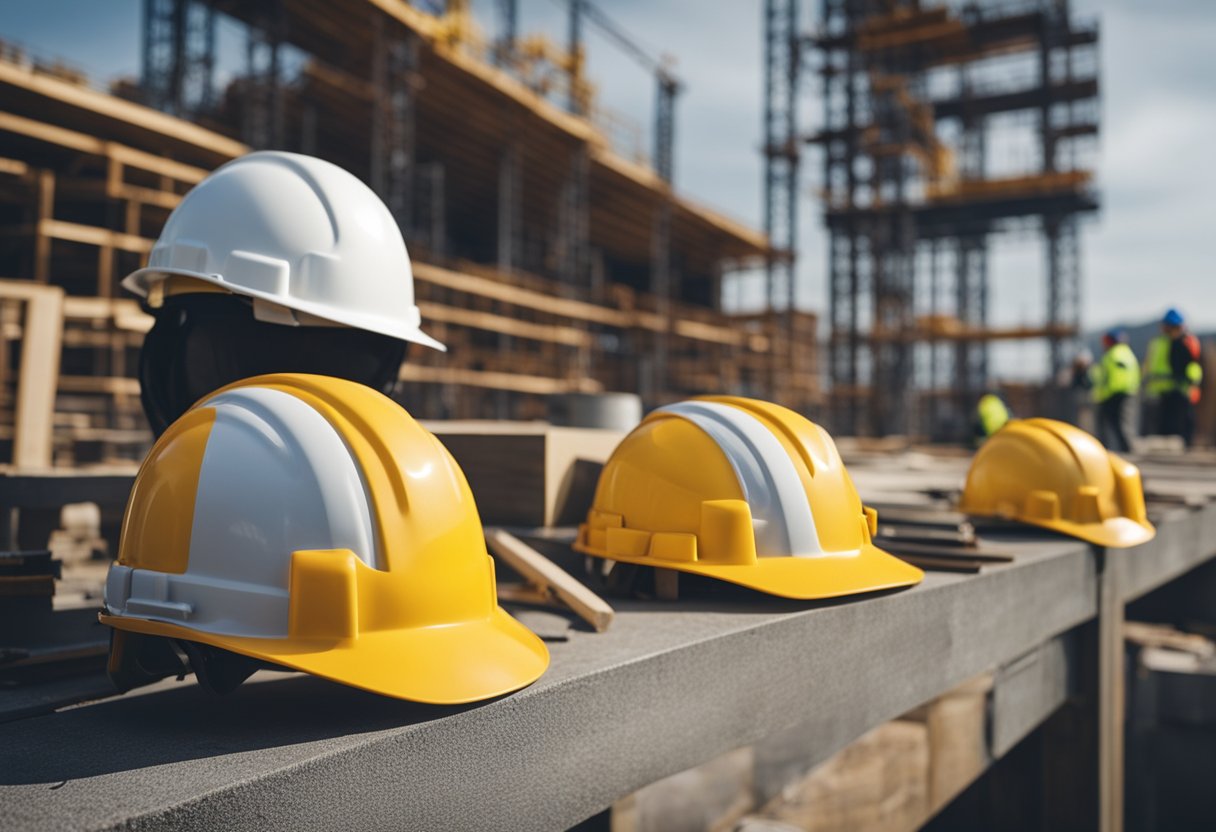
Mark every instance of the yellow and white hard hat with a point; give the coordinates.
(743, 491)
(311, 523)
(1054, 475)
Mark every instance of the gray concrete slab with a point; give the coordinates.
(670, 686)
(1186, 538)
(1029, 689)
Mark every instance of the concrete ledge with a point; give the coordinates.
(670, 686)
(1029, 689)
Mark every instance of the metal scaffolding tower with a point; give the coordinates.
(178, 56)
(912, 97)
(394, 62)
(782, 68)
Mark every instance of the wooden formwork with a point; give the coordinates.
(87, 180)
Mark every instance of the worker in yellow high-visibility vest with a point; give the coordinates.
(991, 414)
(1116, 381)
(1173, 375)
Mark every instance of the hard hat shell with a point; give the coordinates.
(310, 522)
(295, 231)
(743, 491)
(1054, 475)
(1172, 317)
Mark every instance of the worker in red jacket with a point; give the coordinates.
(1175, 374)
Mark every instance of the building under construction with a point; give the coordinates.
(921, 105)
(551, 255)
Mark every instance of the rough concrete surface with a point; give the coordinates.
(669, 686)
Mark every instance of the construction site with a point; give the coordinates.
(547, 261)
(974, 649)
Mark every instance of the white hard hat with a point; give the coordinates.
(296, 232)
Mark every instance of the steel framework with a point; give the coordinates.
(910, 213)
(782, 69)
(178, 56)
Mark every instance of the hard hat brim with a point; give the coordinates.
(1114, 533)
(138, 283)
(869, 569)
(452, 664)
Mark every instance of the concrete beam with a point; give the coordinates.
(670, 686)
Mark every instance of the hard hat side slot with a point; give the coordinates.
(1042, 505)
(727, 534)
(1087, 505)
(324, 594)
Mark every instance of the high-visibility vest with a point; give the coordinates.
(992, 414)
(1161, 373)
(1117, 372)
(1159, 377)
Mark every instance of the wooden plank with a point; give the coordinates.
(932, 564)
(114, 385)
(180, 171)
(491, 322)
(52, 134)
(879, 782)
(917, 549)
(40, 348)
(544, 302)
(136, 194)
(710, 797)
(105, 270)
(958, 747)
(518, 382)
(13, 167)
(963, 535)
(1163, 635)
(538, 570)
(91, 235)
(125, 313)
(44, 204)
(100, 105)
(579, 310)
(908, 516)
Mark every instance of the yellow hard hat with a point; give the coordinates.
(743, 491)
(309, 522)
(1057, 476)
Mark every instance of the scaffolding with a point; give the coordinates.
(912, 96)
(546, 260)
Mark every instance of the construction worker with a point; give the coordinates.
(1174, 375)
(1116, 381)
(991, 414)
(1081, 385)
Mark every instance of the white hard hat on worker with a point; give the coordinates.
(297, 232)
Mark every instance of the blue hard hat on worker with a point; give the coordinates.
(1173, 317)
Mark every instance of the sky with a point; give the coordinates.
(1151, 246)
